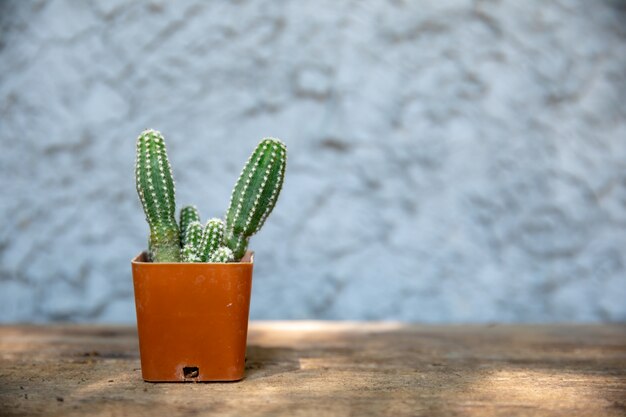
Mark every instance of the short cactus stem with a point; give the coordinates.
(212, 237)
(222, 254)
(189, 254)
(194, 235)
(255, 194)
(155, 186)
(188, 214)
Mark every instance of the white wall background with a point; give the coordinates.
(449, 160)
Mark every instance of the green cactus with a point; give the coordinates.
(222, 254)
(155, 186)
(188, 214)
(189, 254)
(191, 249)
(194, 235)
(255, 194)
(212, 237)
(252, 200)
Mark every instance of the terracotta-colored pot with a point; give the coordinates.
(192, 319)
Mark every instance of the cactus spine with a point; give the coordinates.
(212, 237)
(193, 236)
(222, 254)
(255, 194)
(189, 254)
(188, 214)
(155, 186)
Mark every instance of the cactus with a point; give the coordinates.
(189, 254)
(190, 251)
(155, 186)
(194, 235)
(212, 237)
(222, 254)
(252, 200)
(188, 214)
(255, 194)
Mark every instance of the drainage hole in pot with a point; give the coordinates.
(191, 372)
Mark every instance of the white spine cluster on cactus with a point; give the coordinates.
(275, 190)
(212, 237)
(149, 200)
(222, 254)
(165, 176)
(188, 254)
(255, 193)
(194, 233)
(257, 197)
(139, 173)
(191, 248)
(188, 214)
(164, 168)
(247, 180)
(155, 187)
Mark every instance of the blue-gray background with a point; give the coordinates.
(449, 160)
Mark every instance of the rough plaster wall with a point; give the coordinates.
(449, 160)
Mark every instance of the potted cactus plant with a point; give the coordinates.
(193, 283)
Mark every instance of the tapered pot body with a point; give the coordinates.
(192, 319)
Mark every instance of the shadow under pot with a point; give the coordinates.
(192, 319)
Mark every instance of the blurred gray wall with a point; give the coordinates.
(449, 160)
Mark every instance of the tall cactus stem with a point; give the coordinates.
(155, 186)
(255, 194)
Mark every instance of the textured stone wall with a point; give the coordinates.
(449, 160)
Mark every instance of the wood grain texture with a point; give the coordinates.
(328, 369)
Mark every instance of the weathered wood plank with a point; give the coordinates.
(328, 369)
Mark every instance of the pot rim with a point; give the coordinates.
(248, 258)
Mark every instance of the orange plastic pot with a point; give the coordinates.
(192, 319)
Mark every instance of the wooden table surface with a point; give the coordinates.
(328, 369)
